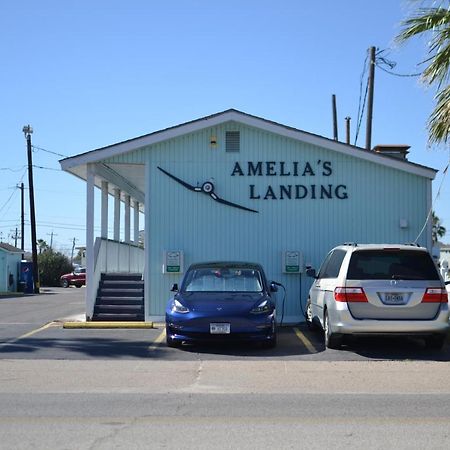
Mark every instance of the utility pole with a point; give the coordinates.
(73, 248)
(22, 219)
(51, 239)
(335, 125)
(27, 131)
(370, 99)
(15, 236)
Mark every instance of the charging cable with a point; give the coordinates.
(283, 301)
(300, 298)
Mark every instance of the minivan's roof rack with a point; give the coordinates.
(414, 244)
(353, 244)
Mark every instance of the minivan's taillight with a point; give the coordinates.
(353, 294)
(435, 295)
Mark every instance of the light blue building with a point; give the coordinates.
(233, 186)
(10, 258)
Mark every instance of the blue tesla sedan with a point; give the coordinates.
(222, 301)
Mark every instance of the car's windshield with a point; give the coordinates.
(225, 279)
(391, 264)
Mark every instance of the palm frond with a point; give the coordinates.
(424, 20)
(439, 121)
(437, 22)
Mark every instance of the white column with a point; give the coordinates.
(136, 222)
(127, 219)
(117, 214)
(147, 243)
(104, 218)
(90, 263)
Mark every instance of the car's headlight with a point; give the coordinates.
(263, 307)
(179, 308)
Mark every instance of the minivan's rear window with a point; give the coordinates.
(391, 264)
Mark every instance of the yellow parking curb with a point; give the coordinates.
(108, 325)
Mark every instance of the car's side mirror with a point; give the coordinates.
(174, 288)
(311, 272)
(273, 287)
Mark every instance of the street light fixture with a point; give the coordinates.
(27, 130)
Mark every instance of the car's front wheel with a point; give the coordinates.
(171, 342)
(332, 340)
(64, 283)
(272, 342)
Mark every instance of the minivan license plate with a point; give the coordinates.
(219, 328)
(393, 299)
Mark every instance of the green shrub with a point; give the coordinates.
(51, 266)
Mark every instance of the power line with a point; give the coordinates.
(399, 74)
(358, 125)
(48, 151)
(46, 168)
(435, 198)
(13, 192)
(382, 62)
(7, 201)
(13, 170)
(360, 113)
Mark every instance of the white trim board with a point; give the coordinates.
(252, 121)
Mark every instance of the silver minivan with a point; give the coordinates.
(364, 289)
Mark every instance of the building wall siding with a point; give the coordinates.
(179, 219)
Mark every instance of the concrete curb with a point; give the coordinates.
(11, 295)
(100, 325)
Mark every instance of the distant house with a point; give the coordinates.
(82, 251)
(10, 258)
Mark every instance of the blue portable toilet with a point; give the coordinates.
(26, 277)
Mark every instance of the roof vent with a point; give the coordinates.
(397, 151)
(232, 141)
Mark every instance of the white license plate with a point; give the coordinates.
(219, 328)
(394, 299)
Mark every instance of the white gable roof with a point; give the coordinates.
(70, 164)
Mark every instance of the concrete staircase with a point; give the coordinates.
(120, 297)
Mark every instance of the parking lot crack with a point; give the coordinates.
(199, 373)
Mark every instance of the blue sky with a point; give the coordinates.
(87, 74)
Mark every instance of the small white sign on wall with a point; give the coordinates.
(173, 261)
(292, 262)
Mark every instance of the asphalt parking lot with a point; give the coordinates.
(31, 327)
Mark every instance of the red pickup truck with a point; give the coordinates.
(76, 278)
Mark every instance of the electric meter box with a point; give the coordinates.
(292, 262)
(173, 261)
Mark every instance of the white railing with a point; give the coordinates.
(112, 257)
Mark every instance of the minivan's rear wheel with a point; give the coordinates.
(64, 283)
(332, 340)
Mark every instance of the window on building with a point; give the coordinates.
(232, 141)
